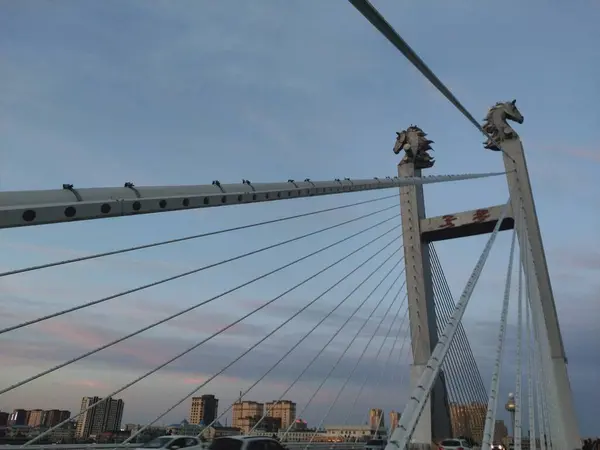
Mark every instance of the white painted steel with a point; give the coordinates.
(530, 400)
(490, 418)
(28, 208)
(408, 421)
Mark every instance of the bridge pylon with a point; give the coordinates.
(434, 423)
(565, 430)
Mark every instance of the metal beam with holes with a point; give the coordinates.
(463, 224)
(27, 208)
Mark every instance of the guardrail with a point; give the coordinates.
(288, 445)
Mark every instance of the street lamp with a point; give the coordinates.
(510, 407)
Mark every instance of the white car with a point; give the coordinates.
(454, 444)
(173, 442)
(245, 443)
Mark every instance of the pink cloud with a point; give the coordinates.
(199, 379)
(590, 155)
(90, 336)
(577, 152)
(88, 384)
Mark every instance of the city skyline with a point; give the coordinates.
(193, 103)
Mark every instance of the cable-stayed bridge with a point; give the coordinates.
(411, 299)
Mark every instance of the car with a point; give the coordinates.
(454, 444)
(173, 442)
(245, 443)
(375, 444)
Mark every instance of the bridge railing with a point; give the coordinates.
(288, 445)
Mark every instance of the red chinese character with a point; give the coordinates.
(481, 215)
(448, 221)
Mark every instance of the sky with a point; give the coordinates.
(167, 93)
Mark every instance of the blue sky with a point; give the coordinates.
(160, 93)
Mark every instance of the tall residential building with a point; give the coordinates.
(394, 419)
(500, 432)
(204, 410)
(18, 417)
(104, 417)
(376, 421)
(244, 409)
(36, 418)
(282, 409)
(468, 420)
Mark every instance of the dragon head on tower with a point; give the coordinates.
(496, 126)
(416, 146)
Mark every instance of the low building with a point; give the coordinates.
(213, 432)
(348, 432)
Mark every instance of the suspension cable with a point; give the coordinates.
(337, 362)
(420, 394)
(198, 344)
(517, 425)
(399, 360)
(538, 388)
(451, 366)
(356, 364)
(537, 361)
(543, 392)
(186, 310)
(384, 368)
(456, 380)
(377, 20)
(189, 272)
(189, 238)
(364, 382)
(276, 402)
(319, 353)
(407, 356)
(490, 418)
(460, 350)
(475, 374)
(286, 354)
(530, 404)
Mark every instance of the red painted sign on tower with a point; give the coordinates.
(481, 215)
(448, 221)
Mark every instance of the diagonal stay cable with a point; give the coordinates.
(406, 336)
(366, 379)
(459, 381)
(186, 310)
(182, 312)
(300, 311)
(335, 365)
(189, 272)
(222, 330)
(447, 307)
(378, 428)
(398, 363)
(358, 361)
(492, 406)
(312, 361)
(188, 238)
(378, 21)
(306, 336)
(420, 393)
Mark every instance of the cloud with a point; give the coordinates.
(585, 154)
(184, 93)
